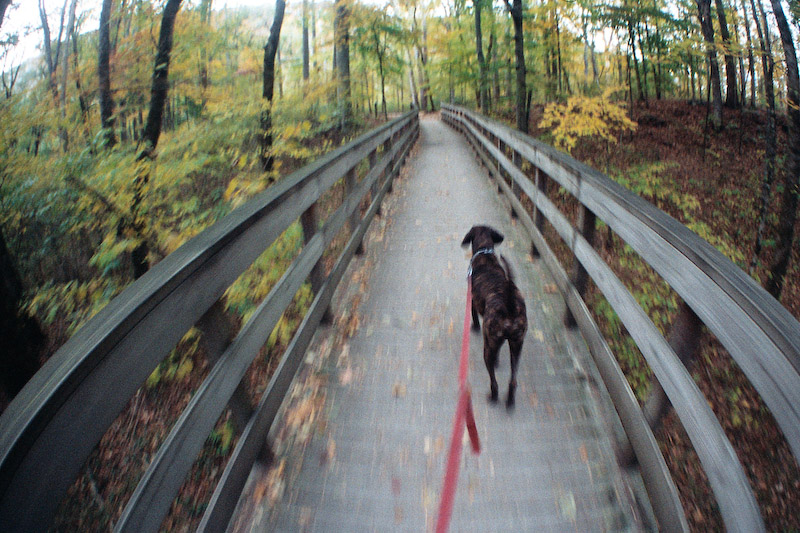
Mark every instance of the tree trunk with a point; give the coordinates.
(314, 35)
(516, 12)
(768, 65)
(791, 189)
(3, 6)
(750, 61)
(268, 86)
(731, 96)
(412, 83)
(341, 35)
(152, 131)
(559, 65)
(205, 21)
(632, 44)
(706, 25)
(65, 58)
(82, 100)
(160, 83)
(483, 82)
(495, 70)
(104, 75)
(20, 335)
(305, 41)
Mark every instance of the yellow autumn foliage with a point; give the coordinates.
(585, 116)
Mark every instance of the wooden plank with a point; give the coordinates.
(730, 485)
(761, 336)
(227, 492)
(54, 423)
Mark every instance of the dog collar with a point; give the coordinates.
(481, 251)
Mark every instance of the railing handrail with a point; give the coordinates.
(53, 424)
(759, 333)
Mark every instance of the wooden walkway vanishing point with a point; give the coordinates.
(362, 442)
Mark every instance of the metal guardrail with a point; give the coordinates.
(761, 336)
(55, 422)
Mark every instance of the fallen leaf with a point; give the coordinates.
(304, 520)
(399, 390)
(584, 454)
(347, 376)
(566, 504)
(533, 398)
(438, 445)
(550, 288)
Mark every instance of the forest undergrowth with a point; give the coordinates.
(711, 183)
(220, 177)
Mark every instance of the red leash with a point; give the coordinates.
(464, 415)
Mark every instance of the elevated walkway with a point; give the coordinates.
(362, 443)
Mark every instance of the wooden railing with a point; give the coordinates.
(52, 426)
(761, 336)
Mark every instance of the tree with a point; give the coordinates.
(20, 334)
(104, 75)
(151, 133)
(707, 27)
(750, 60)
(341, 37)
(483, 75)
(731, 96)
(791, 189)
(268, 86)
(378, 34)
(305, 41)
(516, 12)
(3, 6)
(768, 67)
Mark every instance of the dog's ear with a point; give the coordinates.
(497, 238)
(468, 237)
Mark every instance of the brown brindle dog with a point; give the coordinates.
(498, 300)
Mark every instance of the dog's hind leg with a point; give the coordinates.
(490, 351)
(475, 324)
(515, 347)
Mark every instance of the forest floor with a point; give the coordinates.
(712, 183)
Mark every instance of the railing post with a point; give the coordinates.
(217, 334)
(540, 180)
(387, 149)
(580, 278)
(516, 160)
(310, 222)
(684, 339)
(350, 181)
(373, 159)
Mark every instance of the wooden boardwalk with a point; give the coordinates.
(362, 442)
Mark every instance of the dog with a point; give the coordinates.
(497, 299)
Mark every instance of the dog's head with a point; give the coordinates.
(482, 237)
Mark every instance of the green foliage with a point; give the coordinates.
(72, 302)
(255, 283)
(221, 438)
(652, 181)
(179, 363)
(583, 116)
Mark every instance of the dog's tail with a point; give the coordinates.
(511, 300)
